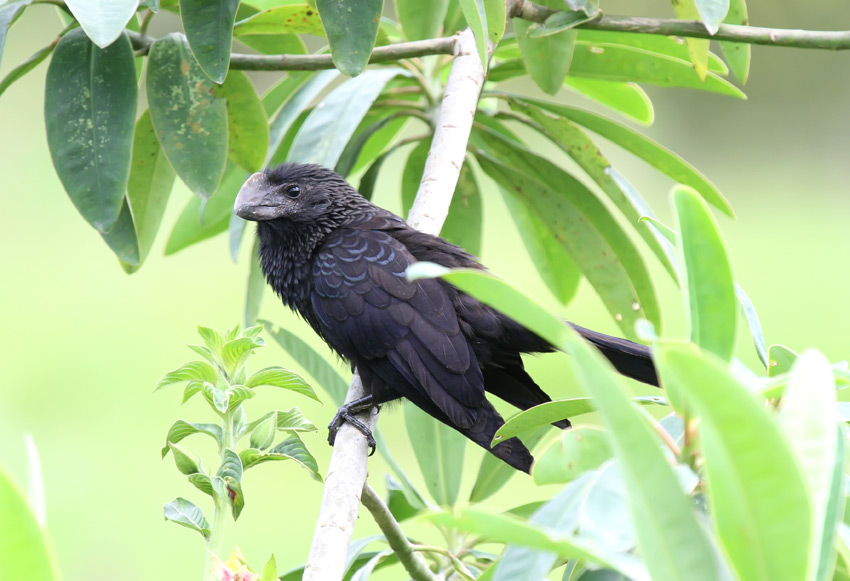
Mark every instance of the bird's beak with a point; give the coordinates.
(253, 203)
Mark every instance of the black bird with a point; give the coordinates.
(339, 261)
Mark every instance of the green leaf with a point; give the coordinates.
(496, 12)
(560, 21)
(809, 417)
(508, 529)
(212, 338)
(247, 124)
(181, 429)
(103, 20)
(123, 240)
(671, 540)
(659, 157)
(476, 18)
(192, 371)
(186, 514)
(24, 547)
(293, 420)
(312, 362)
(187, 461)
(748, 463)
(256, 286)
(290, 449)
(627, 98)
(752, 318)
(263, 434)
(401, 505)
(149, 185)
(352, 28)
(780, 360)
(26, 66)
(493, 474)
(463, 225)
(578, 145)
(90, 112)
(209, 30)
(374, 124)
(697, 47)
(235, 352)
(331, 124)
(737, 53)
(201, 219)
(202, 482)
(547, 59)
(10, 12)
(581, 223)
(269, 570)
(439, 452)
(283, 378)
(231, 466)
(708, 284)
(578, 450)
(190, 121)
(712, 13)
(421, 19)
(616, 62)
(288, 19)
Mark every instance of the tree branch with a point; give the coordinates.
(822, 39)
(413, 563)
(347, 471)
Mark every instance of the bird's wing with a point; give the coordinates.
(367, 310)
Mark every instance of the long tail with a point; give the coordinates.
(631, 359)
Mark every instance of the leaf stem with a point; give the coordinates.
(216, 536)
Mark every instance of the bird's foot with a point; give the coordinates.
(346, 414)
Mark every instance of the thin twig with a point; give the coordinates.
(413, 563)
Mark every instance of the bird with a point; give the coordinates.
(339, 261)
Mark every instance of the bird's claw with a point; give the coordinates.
(344, 415)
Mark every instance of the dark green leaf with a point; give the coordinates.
(659, 157)
(26, 66)
(560, 21)
(288, 19)
(283, 378)
(192, 371)
(401, 506)
(181, 429)
(123, 240)
(256, 286)
(186, 514)
(331, 124)
(421, 19)
(149, 185)
(103, 23)
(464, 223)
(351, 27)
(90, 111)
(709, 286)
(748, 463)
(200, 220)
(411, 176)
(547, 59)
(582, 225)
(737, 53)
(439, 452)
(247, 124)
(376, 123)
(190, 121)
(209, 30)
(312, 362)
(578, 450)
(187, 461)
(24, 552)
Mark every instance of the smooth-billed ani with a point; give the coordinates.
(340, 261)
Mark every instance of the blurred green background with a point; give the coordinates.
(84, 344)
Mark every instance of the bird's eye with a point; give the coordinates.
(292, 191)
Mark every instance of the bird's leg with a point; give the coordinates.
(346, 414)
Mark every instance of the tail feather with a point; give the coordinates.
(631, 359)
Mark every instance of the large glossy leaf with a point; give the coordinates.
(707, 278)
(737, 53)
(150, 183)
(421, 19)
(581, 223)
(331, 124)
(90, 111)
(626, 98)
(615, 62)
(673, 544)
(439, 451)
(578, 145)
(103, 20)
(659, 157)
(247, 124)
(352, 28)
(288, 19)
(547, 59)
(190, 121)
(209, 30)
(748, 463)
(123, 240)
(201, 219)
(24, 552)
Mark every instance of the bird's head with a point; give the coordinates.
(294, 192)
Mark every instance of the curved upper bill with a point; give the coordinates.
(254, 200)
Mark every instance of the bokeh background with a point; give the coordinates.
(83, 344)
